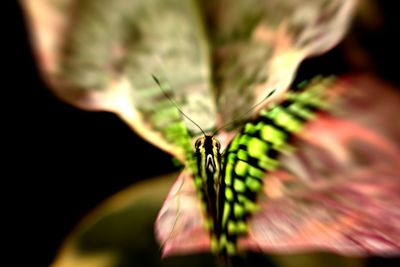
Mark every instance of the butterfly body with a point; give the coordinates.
(210, 182)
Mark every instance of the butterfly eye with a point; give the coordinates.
(198, 143)
(217, 144)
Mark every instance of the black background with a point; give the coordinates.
(62, 161)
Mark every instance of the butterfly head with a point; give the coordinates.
(208, 153)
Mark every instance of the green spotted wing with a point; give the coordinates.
(253, 152)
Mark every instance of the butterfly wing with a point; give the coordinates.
(339, 193)
(340, 190)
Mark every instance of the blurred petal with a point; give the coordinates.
(258, 50)
(180, 223)
(100, 55)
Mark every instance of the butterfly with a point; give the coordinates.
(236, 200)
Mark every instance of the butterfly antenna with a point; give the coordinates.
(244, 114)
(175, 104)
